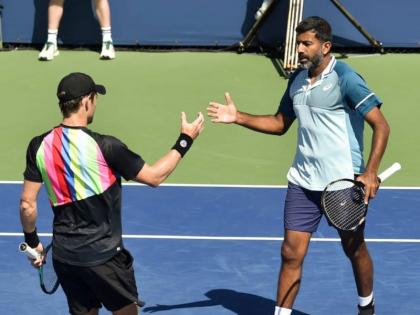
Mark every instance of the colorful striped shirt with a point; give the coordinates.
(81, 171)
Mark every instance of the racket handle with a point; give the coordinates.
(29, 251)
(389, 171)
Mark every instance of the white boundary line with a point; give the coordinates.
(233, 238)
(227, 185)
(362, 55)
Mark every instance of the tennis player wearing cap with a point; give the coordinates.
(330, 102)
(82, 172)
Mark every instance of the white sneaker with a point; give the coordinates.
(48, 52)
(108, 51)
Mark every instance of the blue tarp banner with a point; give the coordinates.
(207, 22)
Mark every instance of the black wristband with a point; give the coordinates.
(183, 144)
(31, 239)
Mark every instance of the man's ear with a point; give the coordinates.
(85, 103)
(326, 47)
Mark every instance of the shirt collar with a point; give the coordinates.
(328, 69)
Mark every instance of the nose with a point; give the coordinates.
(300, 47)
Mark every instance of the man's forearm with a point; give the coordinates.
(261, 123)
(379, 143)
(28, 215)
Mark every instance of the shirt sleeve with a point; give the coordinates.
(286, 103)
(357, 94)
(120, 158)
(32, 173)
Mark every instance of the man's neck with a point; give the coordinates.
(75, 121)
(318, 70)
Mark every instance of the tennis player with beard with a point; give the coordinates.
(331, 102)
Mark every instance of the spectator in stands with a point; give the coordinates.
(55, 12)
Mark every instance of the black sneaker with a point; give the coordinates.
(367, 310)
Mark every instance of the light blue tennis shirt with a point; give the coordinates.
(330, 113)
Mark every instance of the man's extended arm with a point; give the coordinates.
(272, 124)
(380, 136)
(154, 175)
(28, 215)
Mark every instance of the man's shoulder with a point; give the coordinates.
(37, 140)
(106, 142)
(297, 73)
(343, 69)
(100, 136)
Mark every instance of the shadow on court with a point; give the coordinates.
(238, 302)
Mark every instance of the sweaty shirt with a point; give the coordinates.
(330, 114)
(82, 171)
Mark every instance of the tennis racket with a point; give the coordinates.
(47, 278)
(343, 201)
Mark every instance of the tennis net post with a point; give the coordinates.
(290, 60)
(1, 29)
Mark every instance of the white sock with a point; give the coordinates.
(106, 34)
(363, 301)
(52, 36)
(282, 311)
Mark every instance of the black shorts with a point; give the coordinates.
(111, 284)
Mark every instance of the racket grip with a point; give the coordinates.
(389, 171)
(29, 251)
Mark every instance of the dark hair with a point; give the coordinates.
(318, 25)
(70, 107)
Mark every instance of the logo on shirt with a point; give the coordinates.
(327, 87)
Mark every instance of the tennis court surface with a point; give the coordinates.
(215, 250)
(212, 249)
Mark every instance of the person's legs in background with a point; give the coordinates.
(103, 13)
(55, 13)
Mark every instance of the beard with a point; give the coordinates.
(311, 62)
(90, 119)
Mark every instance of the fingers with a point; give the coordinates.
(367, 195)
(183, 118)
(212, 111)
(228, 99)
(36, 263)
(371, 186)
(194, 128)
(213, 108)
(200, 118)
(199, 121)
(370, 193)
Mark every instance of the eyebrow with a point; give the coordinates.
(306, 42)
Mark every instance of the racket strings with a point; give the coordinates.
(344, 204)
(49, 281)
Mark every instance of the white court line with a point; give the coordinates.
(363, 56)
(234, 238)
(228, 185)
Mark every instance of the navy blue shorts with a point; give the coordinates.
(302, 209)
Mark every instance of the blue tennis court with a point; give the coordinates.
(215, 250)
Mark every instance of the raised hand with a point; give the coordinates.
(192, 129)
(220, 113)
